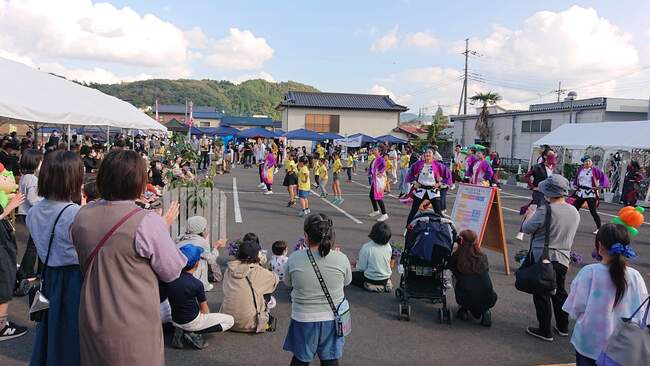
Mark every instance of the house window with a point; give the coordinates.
(536, 125)
(322, 122)
(204, 124)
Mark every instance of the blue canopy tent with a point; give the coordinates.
(303, 134)
(391, 139)
(330, 136)
(196, 131)
(279, 133)
(256, 132)
(220, 131)
(365, 139)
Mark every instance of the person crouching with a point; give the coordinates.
(372, 269)
(473, 287)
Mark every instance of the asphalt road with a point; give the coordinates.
(378, 338)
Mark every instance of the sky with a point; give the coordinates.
(408, 49)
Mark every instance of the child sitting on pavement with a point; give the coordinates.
(279, 258)
(190, 311)
(473, 287)
(196, 234)
(372, 269)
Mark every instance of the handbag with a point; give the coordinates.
(343, 320)
(537, 277)
(630, 342)
(38, 301)
(261, 317)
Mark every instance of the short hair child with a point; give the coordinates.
(279, 247)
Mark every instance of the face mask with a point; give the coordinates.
(551, 159)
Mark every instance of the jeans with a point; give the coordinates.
(323, 187)
(376, 204)
(348, 171)
(402, 181)
(546, 305)
(591, 203)
(205, 160)
(443, 199)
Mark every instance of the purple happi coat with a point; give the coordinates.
(378, 170)
(483, 171)
(599, 179)
(269, 166)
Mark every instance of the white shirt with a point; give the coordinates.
(427, 177)
(584, 180)
(259, 154)
(392, 154)
(549, 171)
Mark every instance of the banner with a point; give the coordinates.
(349, 142)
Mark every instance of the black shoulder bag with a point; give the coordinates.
(538, 277)
(343, 320)
(38, 301)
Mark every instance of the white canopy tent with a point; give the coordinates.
(608, 135)
(30, 96)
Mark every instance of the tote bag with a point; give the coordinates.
(629, 345)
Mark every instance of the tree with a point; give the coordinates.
(482, 128)
(439, 122)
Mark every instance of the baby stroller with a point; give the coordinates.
(428, 246)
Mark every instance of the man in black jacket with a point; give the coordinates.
(539, 172)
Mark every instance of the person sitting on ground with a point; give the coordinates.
(472, 286)
(279, 258)
(372, 269)
(603, 293)
(190, 310)
(196, 234)
(244, 276)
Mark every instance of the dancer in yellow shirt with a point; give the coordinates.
(336, 184)
(304, 185)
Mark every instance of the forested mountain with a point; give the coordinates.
(246, 99)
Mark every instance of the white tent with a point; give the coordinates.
(32, 96)
(608, 135)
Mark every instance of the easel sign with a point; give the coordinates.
(478, 208)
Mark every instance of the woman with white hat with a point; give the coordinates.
(196, 234)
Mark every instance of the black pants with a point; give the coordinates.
(591, 203)
(261, 169)
(205, 160)
(443, 199)
(348, 171)
(377, 204)
(435, 202)
(317, 180)
(584, 360)
(546, 305)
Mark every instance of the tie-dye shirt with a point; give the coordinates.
(590, 303)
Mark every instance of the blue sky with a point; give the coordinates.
(408, 49)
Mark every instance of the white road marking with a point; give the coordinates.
(338, 208)
(223, 217)
(235, 199)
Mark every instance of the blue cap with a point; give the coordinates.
(192, 253)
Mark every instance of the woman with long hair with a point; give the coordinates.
(313, 328)
(602, 293)
(378, 181)
(473, 288)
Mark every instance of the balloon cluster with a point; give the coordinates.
(631, 218)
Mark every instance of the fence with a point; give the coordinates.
(207, 202)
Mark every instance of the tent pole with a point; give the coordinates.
(108, 137)
(563, 161)
(69, 138)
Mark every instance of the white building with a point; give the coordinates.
(512, 133)
(341, 113)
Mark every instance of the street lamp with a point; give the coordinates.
(571, 97)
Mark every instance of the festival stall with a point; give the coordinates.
(627, 136)
(303, 134)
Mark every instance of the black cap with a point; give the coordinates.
(248, 249)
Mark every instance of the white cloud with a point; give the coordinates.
(260, 75)
(381, 90)
(82, 30)
(422, 40)
(240, 50)
(385, 42)
(577, 46)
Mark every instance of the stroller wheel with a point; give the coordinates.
(404, 312)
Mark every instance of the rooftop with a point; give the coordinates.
(180, 109)
(247, 121)
(340, 101)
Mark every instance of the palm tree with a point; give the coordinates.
(490, 98)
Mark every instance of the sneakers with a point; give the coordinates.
(562, 333)
(519, 236)
(307, 211)
(382, 218)
(302, 213)
(11, 331)
(486, 318)
(339, 200)
(537, 333)
(261, 185)
(374, 213)
(596, 232)
(268, 192)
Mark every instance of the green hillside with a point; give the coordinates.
(246, 99)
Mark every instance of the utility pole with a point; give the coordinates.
(559, 91)
(463, 93)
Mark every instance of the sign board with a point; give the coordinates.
(478, 208)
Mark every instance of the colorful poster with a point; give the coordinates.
(472, 208)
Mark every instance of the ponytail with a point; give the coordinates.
(615, 239)
(320, 230)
